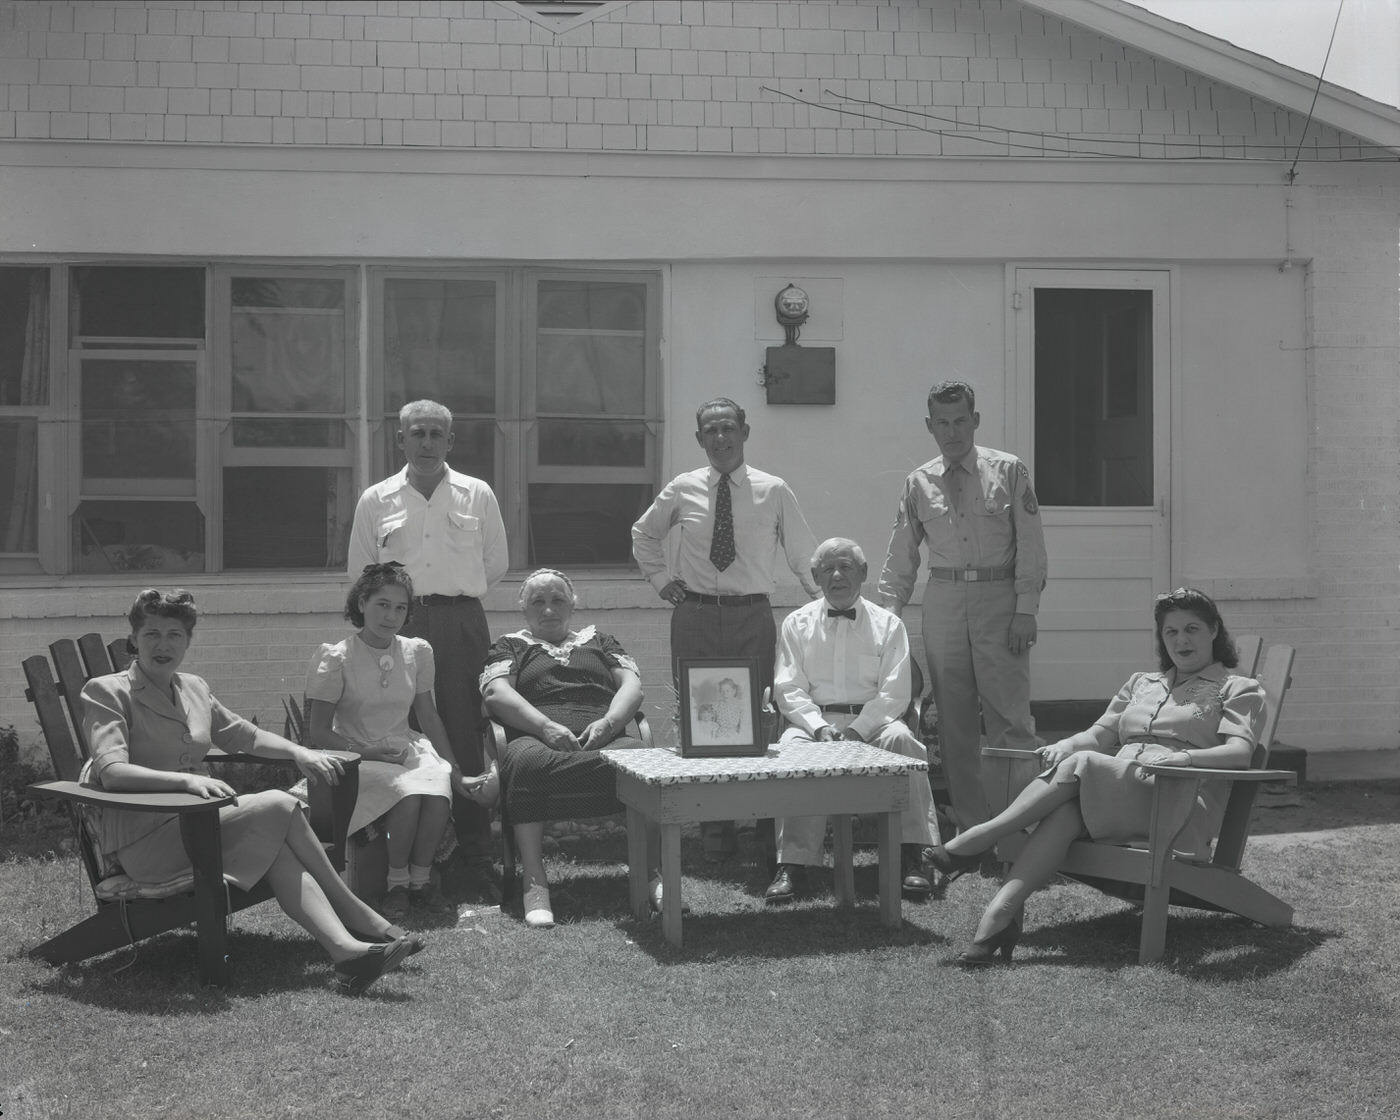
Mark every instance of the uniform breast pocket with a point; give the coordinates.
(933, 509)
(995, 502)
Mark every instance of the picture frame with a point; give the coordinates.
(720, 701)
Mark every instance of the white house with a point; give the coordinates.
(235, 236)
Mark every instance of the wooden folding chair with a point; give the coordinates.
(1154, 874)
(128, 912)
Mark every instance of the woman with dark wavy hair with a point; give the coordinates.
(149, 728)
(1194, 712)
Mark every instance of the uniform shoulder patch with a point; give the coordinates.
(1028, 502)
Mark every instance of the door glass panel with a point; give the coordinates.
(592, 443)
(584, 523)
(24, 336)
(286, 517)
(138, 425)
(114, 536)
(1093, 397)
(19, 486)
(288, 344)
(440, 343)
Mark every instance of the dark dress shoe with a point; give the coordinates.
(353, 976)
(416, 941)
(914, 880)
(786, 884)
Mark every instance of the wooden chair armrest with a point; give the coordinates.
(348, 758)
(1012, 753)
(136, 802)
(1229, 775)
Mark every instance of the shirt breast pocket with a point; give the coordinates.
(868, 670)
(996, 501)
(463, 526)
(390, 538)
(933, 506)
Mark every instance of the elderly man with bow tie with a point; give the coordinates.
(843, 673)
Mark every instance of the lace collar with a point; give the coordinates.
(561, 653)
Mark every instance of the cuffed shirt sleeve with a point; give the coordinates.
(1031, 561)
(896, 586)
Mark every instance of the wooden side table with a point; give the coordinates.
(835, 779)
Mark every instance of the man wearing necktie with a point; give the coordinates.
(843, 673)
(977, 511)
(729, 520)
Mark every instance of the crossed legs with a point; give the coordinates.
(1053, 807)
(310, 892)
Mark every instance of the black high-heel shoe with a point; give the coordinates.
(953, 865)
(984, 952)
(353, 976)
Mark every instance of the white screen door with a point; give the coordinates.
(1092, 385)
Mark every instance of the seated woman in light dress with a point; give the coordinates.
(149, 729)
(1195, 712)
(362, 691)
(562, 694)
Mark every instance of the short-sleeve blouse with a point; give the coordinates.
(371, 702)
(1193, 715)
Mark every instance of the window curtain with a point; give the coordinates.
(21, 532)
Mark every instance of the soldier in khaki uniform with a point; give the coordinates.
(977, 511)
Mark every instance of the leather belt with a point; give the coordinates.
(844, 709)
(443, 600)
(725, 600)
(972, 575)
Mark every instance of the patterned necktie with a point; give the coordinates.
(722, 543)
(832, 612)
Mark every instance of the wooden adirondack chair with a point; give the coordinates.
(127, 913)
(1154, 875)
(494, 735)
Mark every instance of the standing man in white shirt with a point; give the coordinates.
(730, 520)
(446, 529)
(843, 673)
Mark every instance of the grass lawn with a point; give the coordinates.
(808, 1011)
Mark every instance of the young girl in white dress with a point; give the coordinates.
(361, 692)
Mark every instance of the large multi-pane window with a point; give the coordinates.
(209, 418)
(552, 379)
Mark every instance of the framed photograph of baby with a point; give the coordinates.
(720, 701)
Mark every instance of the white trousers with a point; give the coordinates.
(801, 839)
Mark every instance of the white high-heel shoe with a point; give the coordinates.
(538, 915)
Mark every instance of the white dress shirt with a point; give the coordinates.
(766, 518)
(825, 660)
(453, 543)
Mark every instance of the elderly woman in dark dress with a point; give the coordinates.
(1195, 712)
(149, 729)
(562, 695)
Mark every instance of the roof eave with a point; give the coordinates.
(1218, 59)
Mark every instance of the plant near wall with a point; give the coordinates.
(15, 774)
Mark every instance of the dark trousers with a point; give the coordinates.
(711, 630)
(456, 629)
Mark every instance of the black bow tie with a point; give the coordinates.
(850, 612)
